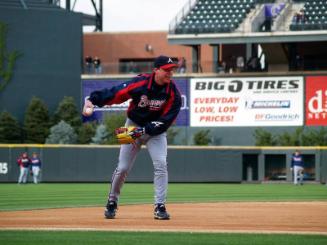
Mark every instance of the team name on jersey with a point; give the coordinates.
(154, 105)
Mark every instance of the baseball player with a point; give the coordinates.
(155, 105)
(36, 167)
(24, 162)
(297, 167)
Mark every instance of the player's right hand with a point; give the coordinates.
(88, 108)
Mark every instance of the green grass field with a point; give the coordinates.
(153, 238)
(30, 196)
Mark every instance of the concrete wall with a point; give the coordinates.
(64, 163)
(113, 47)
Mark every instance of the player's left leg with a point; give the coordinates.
(35, 171)
(301, 175)
(157, 147)
(25, 175)
(296, 174)
(21, 175)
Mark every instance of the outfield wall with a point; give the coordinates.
(76, 163)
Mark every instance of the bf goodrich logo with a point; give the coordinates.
(318, 102)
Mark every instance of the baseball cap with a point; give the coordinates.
(164, 62)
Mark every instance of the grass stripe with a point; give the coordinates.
(30, 196)
(145, 238)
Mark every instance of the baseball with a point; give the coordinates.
(88, 111)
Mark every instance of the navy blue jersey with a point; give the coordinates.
(152, 106)
(35, 162)
(297, 161)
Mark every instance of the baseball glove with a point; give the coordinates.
(127, 135)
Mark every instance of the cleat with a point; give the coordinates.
(160, 212)
(110, 211)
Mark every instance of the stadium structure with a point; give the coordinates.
(283, 35)
(250, 64)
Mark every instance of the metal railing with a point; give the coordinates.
(206, 66)
(181, 14)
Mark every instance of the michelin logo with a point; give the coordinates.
(268, 104)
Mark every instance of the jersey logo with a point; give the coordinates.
(154, 105)
(170, 60)
(157, 124)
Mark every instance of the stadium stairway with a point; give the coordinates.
(285, 19)
(276, 56)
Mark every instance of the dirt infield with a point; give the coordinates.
(258, 217)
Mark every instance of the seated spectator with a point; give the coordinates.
(300, 17)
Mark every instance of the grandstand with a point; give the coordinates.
(215, 16)
(221, 16)
(277, 32)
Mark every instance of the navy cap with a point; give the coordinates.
(164, 62)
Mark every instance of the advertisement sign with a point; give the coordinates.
(255, 101)
(316, 101)
(91, 85)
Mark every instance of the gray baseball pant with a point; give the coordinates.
(157, 148)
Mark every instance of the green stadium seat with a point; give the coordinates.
(315, 12)
(209, 16)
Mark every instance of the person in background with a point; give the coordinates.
(97, 65)
(221, 67)
(36, 167)
(239, 64)
(23, 162)
(181, 65)
(88, 64)
(297, 167)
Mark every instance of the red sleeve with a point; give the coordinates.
(117, 94)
